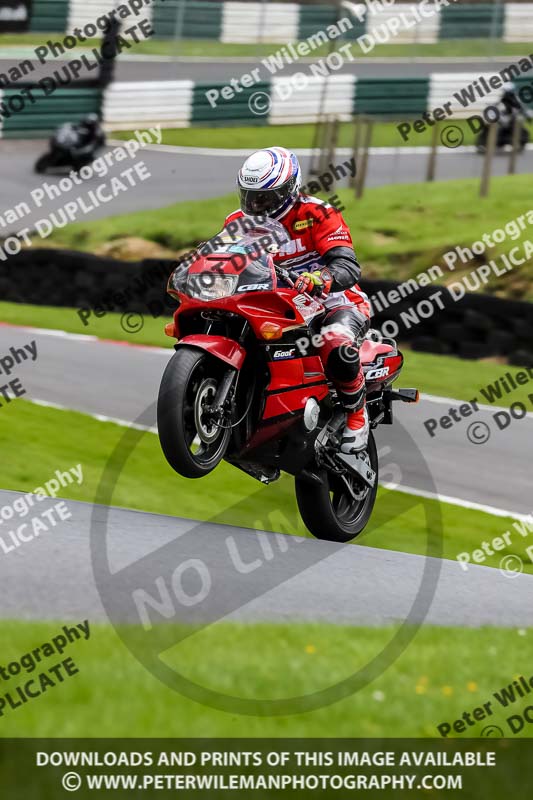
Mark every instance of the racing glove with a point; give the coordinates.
(314, 283)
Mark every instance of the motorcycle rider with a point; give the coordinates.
(91, 134)
(511, 102)
(509, 108)
(321, 250)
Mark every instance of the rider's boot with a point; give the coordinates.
(352, 396)
(355, 434)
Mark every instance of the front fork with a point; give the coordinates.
(228, 384)
(222, 402)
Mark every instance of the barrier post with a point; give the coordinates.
(326, 145)
(487, 161)
(515, 144)
(106, 73)
(316, 147)
(356, 146)
(432, 162)
(361, 172)
(315, 169)
(332, 144)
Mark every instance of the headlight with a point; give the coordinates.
(207, 286)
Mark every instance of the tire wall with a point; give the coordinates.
(477, 326)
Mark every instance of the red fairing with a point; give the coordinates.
(256, 307)
(220, 346)
(394, 363)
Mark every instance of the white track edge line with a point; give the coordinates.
(432, 398)
(455, 501)
(452, 401)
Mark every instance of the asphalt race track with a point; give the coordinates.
(179, 174)
(203, 69)
(122, 383)
(308, 581)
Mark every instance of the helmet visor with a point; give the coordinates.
(266, 201)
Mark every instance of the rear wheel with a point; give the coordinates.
(191, 438)
(339, 509)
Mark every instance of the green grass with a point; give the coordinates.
(210, 48)
(399, 231)
(68, 319)
(439, 375)
(299, 137)
(227, 496)
(443, 672)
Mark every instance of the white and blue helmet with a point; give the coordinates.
(269, 182)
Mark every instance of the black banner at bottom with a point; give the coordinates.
(488, 769)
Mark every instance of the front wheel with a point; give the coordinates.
(193, 441)
(334, 510)
(43, 163)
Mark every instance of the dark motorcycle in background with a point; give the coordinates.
(504, 136)
(68, 151)
(246, 383)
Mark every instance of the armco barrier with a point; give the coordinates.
(191, 21)
(305, 105)
(343, 96)
(518, 22)
(167, 102)
(41, 118)
(317, 18)
(480, 21)
(478, 326)
(125, 105)
(250, 22)
(392, 96)
(49, 15)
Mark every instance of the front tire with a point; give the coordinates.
(329, 511)
(43, 163)
(192, 443)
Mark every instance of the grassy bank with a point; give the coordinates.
(444, 672)
(468, 48)
(67, 319)
(399, 231)
(226, 496)
(301, 137)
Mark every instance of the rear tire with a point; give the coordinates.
(331, 514)
(188, 385)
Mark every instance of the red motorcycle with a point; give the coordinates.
(246, 383)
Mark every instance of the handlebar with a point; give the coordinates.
(290, 275)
